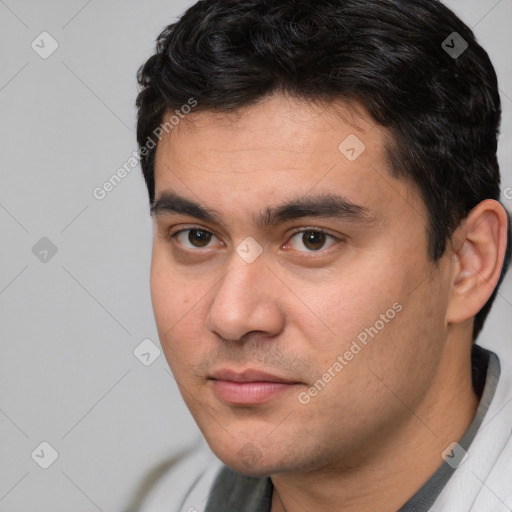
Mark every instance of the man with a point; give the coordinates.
(328, 241)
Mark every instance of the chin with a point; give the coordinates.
(250, 460)
(253, 468)
(254, 472)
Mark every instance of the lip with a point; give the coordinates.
(248, 387)
(248, 375)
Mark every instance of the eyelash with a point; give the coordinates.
(170, 237)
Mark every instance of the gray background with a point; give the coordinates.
(70, 323)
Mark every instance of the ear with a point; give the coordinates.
(478, 246)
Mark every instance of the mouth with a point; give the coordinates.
(248, 387)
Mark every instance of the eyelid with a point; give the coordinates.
(190, 227)
(313, 228)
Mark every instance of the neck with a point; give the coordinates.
(397, 464)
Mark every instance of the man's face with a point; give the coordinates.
(308, 343)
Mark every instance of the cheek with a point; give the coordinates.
(178, 310)
(376, 313)
(342, 307)
(172, 294)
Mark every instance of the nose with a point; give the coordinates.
(246, 300)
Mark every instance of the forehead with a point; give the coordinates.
(281, 147)
(277, 124)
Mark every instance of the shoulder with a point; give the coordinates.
(482, 480)
(496, 433)
(185, 486)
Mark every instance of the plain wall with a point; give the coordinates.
(69, 325)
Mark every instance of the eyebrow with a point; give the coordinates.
(323, 205)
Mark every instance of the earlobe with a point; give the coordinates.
(479, 250)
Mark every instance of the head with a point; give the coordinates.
(262, 124)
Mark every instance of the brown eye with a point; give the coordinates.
(312, 240)
(199, 238)
(193, 238)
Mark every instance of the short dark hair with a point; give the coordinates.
(442, 110)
